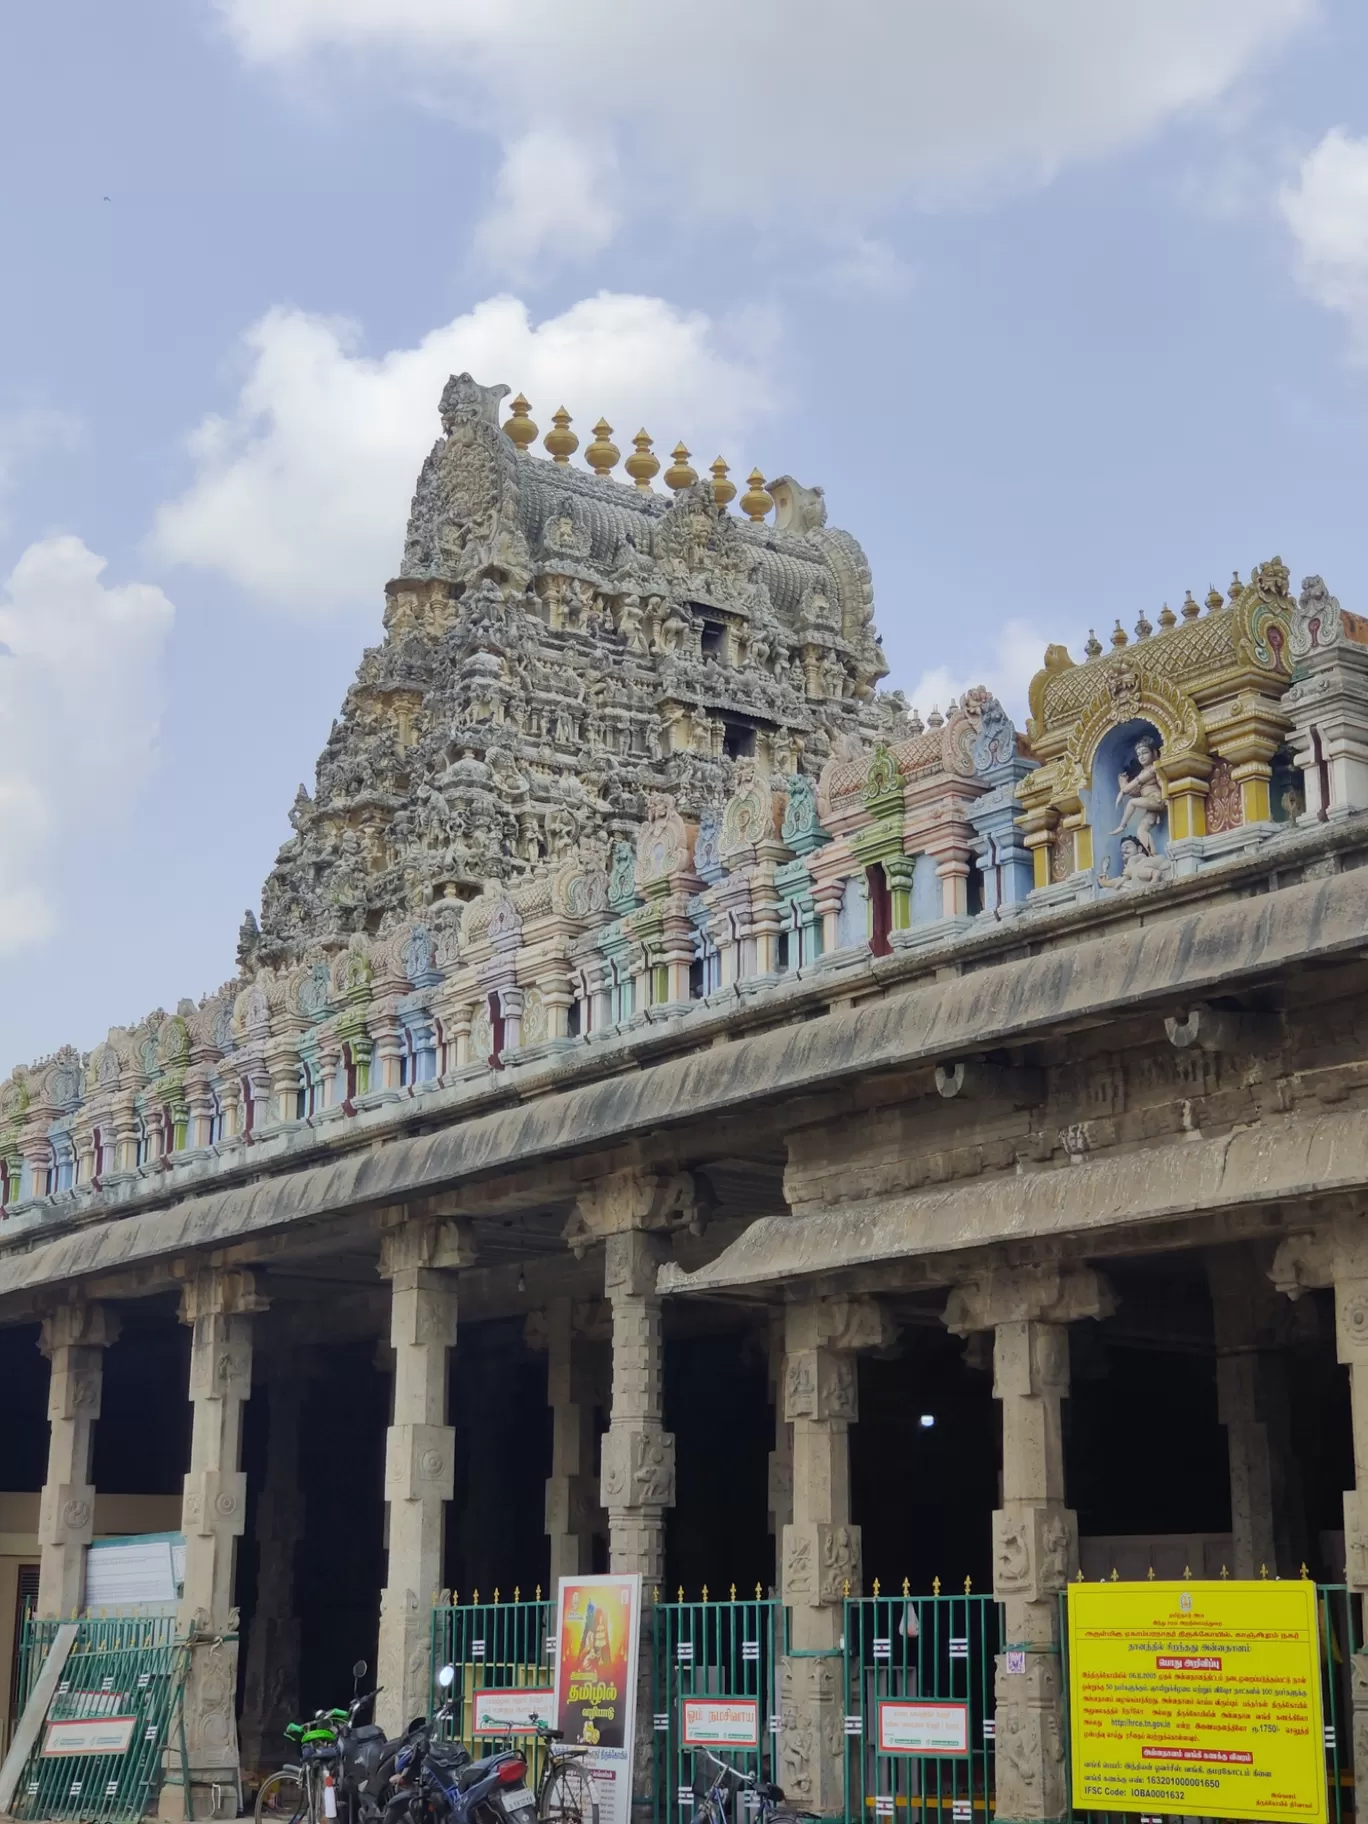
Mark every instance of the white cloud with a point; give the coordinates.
(1327, 210)
(550, 200)
(80, 702)
(302, 491)
(1016, 658)
(786, 109)
(23, 434)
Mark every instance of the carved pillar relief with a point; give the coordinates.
(74, 1338)
(218, 1305)
(1035, 1535)
(419, 1464)
(820, 1544)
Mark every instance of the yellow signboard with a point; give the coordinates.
(1201, 1699)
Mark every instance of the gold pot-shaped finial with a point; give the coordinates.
(602, 453)
(518, 427)
(755, 502)
(560, 442)
(642, 465)
(679, 474)
(724, 491)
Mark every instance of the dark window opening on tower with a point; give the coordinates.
(712, 638)
(974, 890)
(880, 910)
(738, 740)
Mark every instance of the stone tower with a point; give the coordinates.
(559, 644)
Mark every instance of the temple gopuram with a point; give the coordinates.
(884, 1169)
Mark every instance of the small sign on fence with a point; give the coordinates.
(923, 1728)
(90, 1735)
(511, 1712)
(721, 1722)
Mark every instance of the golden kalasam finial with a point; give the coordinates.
(1236, 588)
(1190, 608)
(560, 443)
(518, 427)
(935, 1586)
(679, 474)
(1143, 630)
(642, 465)
(1215, 601)
(1093, 649)
(1119, 638)
(907, 1588)
(968, 1586)
(1167, 618)
(602, 453)
(876, 1586)
(724, 491)
(755, 502)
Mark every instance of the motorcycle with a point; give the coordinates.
(435, 1780)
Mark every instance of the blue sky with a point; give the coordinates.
(1065, 303)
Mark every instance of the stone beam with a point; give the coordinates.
(1299, 1159)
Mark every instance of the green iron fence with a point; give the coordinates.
(919, 1675)
(127, 1672)
(494, 1646)
(1341, 1636)
(714, 1675)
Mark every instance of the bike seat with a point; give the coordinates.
(554, 1735)
(368, 1732)
(768, 1790)
(479, 1770)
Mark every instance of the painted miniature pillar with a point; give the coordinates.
(821, 1548)
(420, 1457)
(74, 1338)
(569, 1498)
(271, 1686)
(1252, 1404)
(1035, 1535)
(638, 1466)
(218, 1304)
(826, 901)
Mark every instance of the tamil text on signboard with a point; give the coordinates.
(1196, 1699)
(923, 1728)
(721, 1722)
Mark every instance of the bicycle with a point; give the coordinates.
(768, 1804)
(300, 1794)
(565, 1790)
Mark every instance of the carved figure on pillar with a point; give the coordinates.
(1035, 1535)
(420, 1452)
(74, 1338)
(821, 1555)
(218, 1304)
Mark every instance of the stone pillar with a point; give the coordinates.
(271, 1687)
(570, 1498)
(1035, 1536)
(1252, 1394)
(419, 1465)
(780, 1478)
(218, 1304)
(74, 1338)
(638, 1480)
(820, 1545)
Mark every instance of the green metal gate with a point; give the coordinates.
(128, 1671)
(1341, 1636)
(494, 1646)
(702, 1655)
(919, 1675)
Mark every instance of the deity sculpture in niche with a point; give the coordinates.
(1139, 790)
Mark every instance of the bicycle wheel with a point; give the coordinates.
(282, 1798)
(568, 1797)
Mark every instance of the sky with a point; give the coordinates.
(1063, 302)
